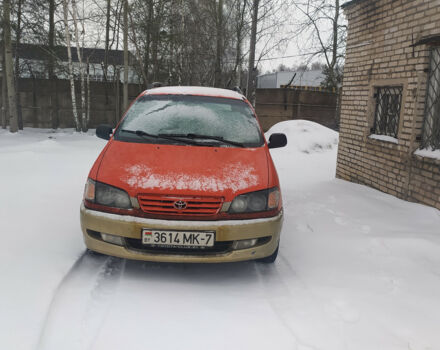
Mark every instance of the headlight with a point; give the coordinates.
(100, 193)
(256, 201)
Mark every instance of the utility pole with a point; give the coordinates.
(125, 88)
(9, 69)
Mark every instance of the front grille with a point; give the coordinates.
(218, 248)
(165, 204)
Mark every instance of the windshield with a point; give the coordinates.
(204, 120)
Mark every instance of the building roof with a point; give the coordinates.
(352, 2)
(94, 55)
(302, 78)
(196, 91)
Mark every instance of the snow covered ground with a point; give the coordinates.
(357, 269)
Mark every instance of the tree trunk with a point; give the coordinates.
(4, 109)
(253, 43)
(335, 44)
(88, 94)
(107, 47)
(69, 56)
(107, 38)
(240, 25)
(219, 47)
(9, 69)
(154, 53)
(118, 98)
(54, 104)
(137, 51)
(125, 89)
(148, 39)
(84, 120)
(17, 64)
(4, 100)
(51, 66)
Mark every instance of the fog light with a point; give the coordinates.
(244, 244)
(112, 239)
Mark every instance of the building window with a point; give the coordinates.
(387, 114)
(431, 126)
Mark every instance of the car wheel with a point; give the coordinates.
(271, 258)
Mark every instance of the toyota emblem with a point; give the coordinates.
(180, 205)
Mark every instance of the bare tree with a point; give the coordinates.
(82, 67)
(70, 64)
(51, 37)
(133, 38)
(18, 31)
(4, 110)
(9, 69)
(324, 31)
(125, 89)
(219, 46)
(107, 37)
(239, 31)
(253, 43)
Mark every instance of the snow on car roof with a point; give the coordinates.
(195, 90)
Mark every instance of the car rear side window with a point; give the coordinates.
(232, 120)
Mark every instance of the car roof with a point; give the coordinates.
(196, 91)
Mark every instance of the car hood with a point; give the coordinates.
(184, 170)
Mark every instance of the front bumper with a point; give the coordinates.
(95, 222)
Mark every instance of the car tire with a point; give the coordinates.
(271, 258)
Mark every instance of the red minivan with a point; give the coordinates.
(186, 176)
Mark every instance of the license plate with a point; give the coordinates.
(178, 238)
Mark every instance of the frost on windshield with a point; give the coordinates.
(231, 119)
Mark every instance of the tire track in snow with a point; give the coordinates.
(278, 296)
(285, 289)
(80, 304)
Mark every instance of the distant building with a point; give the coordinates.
(312, 78)
(33, 62)
(390, 110)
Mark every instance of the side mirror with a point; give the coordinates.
(104, 131)
(277, 140)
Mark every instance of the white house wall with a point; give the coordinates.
(38, 69)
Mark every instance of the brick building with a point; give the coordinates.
(390, 113)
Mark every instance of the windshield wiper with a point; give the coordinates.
(204, 137)
(142, 133)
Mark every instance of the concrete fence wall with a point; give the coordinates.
(276, 105)
(48, 104)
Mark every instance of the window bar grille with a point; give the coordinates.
(431, 124)
(387, 114)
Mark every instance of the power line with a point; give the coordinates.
(281, 57)
(269, 58)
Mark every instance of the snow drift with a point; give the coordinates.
(305, 136)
